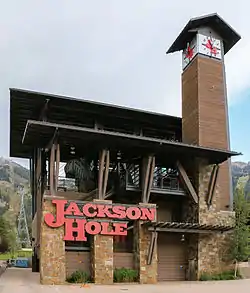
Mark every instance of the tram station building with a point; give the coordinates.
(142, 190)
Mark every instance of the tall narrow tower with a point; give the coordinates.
(204, 41)
(22, 229)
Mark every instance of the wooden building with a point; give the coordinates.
(121, 156)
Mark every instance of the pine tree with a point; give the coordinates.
(240, 242)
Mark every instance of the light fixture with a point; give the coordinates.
(182, 237)
(72, 150)
(119, 155)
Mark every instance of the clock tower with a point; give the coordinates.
(204, 41)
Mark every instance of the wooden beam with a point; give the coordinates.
(57, 165)
(145, 176)
(38, 193)
(152, 246)
(101, 173)
(104, 162)
(52, 141)
(212, 184)
(176, 230)
(151, 177)
(109, 193)
(52, 170)
(106, 173)
(187, 182)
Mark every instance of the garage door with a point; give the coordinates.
(172, 263)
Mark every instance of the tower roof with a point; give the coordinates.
(228, 34)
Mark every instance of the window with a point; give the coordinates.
(124, 243)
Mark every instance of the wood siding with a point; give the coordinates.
(205, 115)
(169, 211)
(77, 260)
(172, 258)
(123, 260)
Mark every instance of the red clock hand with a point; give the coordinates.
(189, 52)
(209, 45)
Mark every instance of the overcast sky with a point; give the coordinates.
(109, 51)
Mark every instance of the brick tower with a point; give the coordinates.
(204, 41)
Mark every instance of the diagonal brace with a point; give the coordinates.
(187, 182)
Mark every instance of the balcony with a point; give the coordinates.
(165, 181)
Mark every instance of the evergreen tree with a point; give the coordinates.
(240, 242)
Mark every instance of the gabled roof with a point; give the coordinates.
(214, 21)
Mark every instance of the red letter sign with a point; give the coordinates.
(49, 218)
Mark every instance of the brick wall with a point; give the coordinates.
(204, 114)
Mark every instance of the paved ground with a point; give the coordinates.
(23, 281)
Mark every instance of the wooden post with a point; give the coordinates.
(57, 165)
(100, 174)
(38, 194)
(52, 170)
(106, 174)
(148, 167)
(151, 177)
(145, 176)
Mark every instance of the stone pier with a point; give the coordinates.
(102, 256)
(147, 273)
(52, 250)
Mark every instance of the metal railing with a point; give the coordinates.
(164, 179)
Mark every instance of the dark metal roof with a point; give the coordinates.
(214, 21)
(85, 140)
(25, 105)
(187, 227)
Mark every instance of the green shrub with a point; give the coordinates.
(79, 277)
(124, 275)
(227, 275)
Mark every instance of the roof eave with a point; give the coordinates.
(188, 33)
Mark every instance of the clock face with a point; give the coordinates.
(189, 53)
(210, 46)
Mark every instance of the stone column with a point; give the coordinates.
(102, 256)
(52, 250)
(142, 237)
(212, 248)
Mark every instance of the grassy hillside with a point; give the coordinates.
(241, 176)
(12, 175)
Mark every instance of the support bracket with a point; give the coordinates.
(187, 182)
(152, 245)
(148, 167)
(212, 184)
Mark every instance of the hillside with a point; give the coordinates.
(12, 175)
(241, 175)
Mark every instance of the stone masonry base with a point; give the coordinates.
(52, 251)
